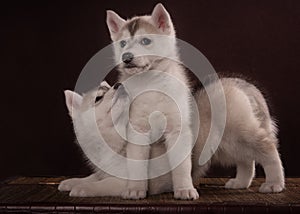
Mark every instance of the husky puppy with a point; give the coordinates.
(100, 102)
(80, 109)
(143, 44)
(249, 136)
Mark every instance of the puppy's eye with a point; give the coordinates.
(98, 98)
(123, 43)
(145, 41)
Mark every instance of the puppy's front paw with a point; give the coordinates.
(236, 184)
(271, 187)
(134, 194)
(83, 190)
(68, 184)
(186, 194)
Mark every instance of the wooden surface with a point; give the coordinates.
(39, 194)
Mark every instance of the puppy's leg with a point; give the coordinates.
(181, 175)
(137, 189)
(68, 184)
(270, 161)
(111, 186)
(244, 175)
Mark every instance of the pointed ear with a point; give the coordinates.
(73, 101)
(161, 19)
(114, 23)
(104, 83)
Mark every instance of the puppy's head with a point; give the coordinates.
(139, 41)
(103, 99)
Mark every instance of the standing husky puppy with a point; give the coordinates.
(142, 44)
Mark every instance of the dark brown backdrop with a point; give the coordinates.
(45, 45)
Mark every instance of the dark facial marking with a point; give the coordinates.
(98, 98)
(133, 26)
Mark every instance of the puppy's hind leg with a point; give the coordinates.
(269, 158)
(245, 173)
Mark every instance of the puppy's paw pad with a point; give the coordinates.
(186, 194)
(134, 194)
(236, 184)
(271, 187)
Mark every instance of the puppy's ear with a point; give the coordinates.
(161, 19)
(73, 101)
(104, 83)
(114, 23)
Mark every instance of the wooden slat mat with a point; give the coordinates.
(40, 194)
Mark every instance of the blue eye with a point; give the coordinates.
(123, 43)
(145, 41)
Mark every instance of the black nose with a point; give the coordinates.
(117, 85)
(127, 57)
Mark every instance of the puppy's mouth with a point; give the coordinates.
(131, 67)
